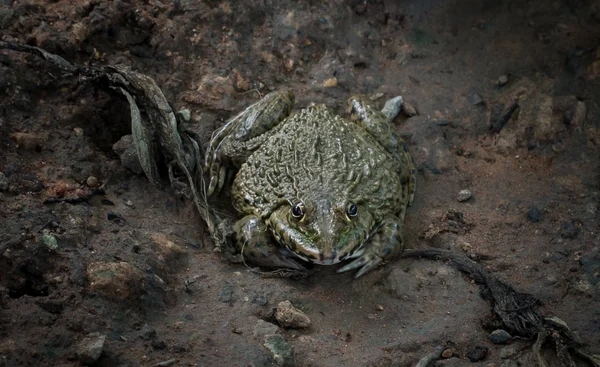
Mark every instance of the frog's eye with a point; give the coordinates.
(298, 210)
(351, 210)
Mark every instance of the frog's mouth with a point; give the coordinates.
(327, 257)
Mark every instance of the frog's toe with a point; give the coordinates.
(366, 263)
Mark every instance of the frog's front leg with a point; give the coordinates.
(257, 245)
(384, 244)
(243, 134)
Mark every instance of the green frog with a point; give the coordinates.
(314, 187)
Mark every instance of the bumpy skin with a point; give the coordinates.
(316, 187)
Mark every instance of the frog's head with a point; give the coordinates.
(321, 230)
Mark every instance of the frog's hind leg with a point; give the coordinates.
(378, 122)
(243, 134)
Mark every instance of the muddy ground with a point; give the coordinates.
(136, 264)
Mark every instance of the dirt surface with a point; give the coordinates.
(135, 264)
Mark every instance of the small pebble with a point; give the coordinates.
(448, 353)
(330, 83)
(409, 110)
(289, 64)
(379, 308)
(129, 203)
(90, 348)
(92, 181)
(499, 336)
(534, 215)
(464, 195)
(260, 299)
(50, 241)
(289, 316)
(78, 131)
(476, 99)
(502, 80)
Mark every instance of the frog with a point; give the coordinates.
(313, 187)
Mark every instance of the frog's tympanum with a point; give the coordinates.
(314, 187)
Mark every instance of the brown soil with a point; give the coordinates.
(136, 263)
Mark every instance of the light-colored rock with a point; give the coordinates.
(91, 181)
(289, 64)
(464, 195)
(290, 317)
(117, 280)
(90, 348)
(50, 241)
(330, 83)
(448, 353)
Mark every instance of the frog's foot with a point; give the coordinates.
(384, 244)
(392, 107)
(258, 246)
(243, 134)
(366, 262)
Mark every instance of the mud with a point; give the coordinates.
(135, 264)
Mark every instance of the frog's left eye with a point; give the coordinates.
(351, 210)
(298, 210)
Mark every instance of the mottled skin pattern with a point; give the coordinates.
(315, 186)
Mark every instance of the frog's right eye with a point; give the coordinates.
(298, 210)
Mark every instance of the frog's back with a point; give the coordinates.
(316, 152)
